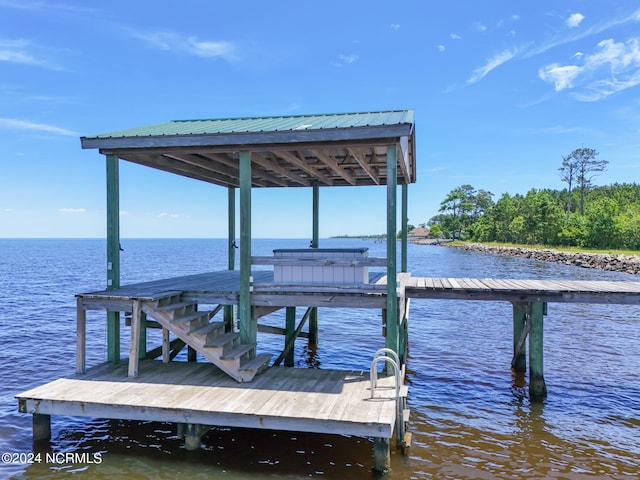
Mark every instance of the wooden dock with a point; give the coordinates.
(322, 401)
(522, 290)
(296, 399)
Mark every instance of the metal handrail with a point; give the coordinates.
(373, 375)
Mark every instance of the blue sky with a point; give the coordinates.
(501, 91)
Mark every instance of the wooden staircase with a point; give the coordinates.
(207, 336)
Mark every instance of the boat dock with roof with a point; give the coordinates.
(240, 385)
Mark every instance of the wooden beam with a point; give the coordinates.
(224, 167)
(302, 165)
(134, 344)
(231, 162)
(362, 161)
(166, 164)
(330, 161)
(271, 164)
(403, 159)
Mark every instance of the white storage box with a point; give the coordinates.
(321, 274)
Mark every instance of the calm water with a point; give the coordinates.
(468, 419)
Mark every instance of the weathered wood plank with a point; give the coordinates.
(280, 398)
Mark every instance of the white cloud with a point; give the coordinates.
(613, 67)
(455, 36)
(171, 215)
(480, 27)
(345, 59)
(72, 210)
(561, 76)
(20, 51)
(173, 42)
(441, 48)
(40, 127)
(395, 26)
(493, 63)
(574, 20)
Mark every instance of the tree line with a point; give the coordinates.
(582, 215)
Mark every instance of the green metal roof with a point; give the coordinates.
(266, 124)
(334, 149)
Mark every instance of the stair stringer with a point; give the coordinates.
(207, 338)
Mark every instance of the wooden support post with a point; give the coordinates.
(392, 340)
(315, 242)
(113, 254)
(405, 222)
(41, 427)
(248, 325)
(134, 344)
(166, 346)
(142, 349)
(231, 248)
(537, 386)
(192, 436)
(520, 312)
(381, 454)
(290, 329)
(81, 337)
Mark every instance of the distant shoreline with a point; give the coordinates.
(612, 262)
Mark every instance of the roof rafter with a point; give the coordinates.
(330, 161)
(206, 163)
(362, 161)
(224, 159)
(293, 159)
(271, 164)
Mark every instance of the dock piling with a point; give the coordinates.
(381, 454)
(41, 427)
(520, 331)
(537, 386)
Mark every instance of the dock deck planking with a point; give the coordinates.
(320, 401)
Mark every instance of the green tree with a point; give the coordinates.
(601, 223)
(568, 173)
(543, 217)
(583, 160)
(461, 208)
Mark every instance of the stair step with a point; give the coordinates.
(190, 317)
(238, 351)
(256, 364)
(208, 328)
(222, 340)
(174, 306)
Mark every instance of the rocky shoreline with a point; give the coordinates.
(618, 263)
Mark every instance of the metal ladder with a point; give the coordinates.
(403, 438)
